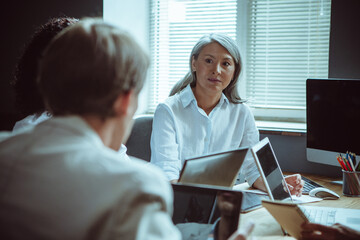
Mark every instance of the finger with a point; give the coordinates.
(295, 178)
(296, 189)
(301, 184)
(299, 188)
(288, 188)
(296, 193)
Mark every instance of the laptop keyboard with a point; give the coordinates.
(323, 216)
(309, 185)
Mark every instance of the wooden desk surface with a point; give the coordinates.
(266, 227)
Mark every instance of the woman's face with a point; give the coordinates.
(214, 68)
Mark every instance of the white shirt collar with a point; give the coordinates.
(187, 96)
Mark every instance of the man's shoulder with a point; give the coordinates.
(140, 171)
(147, 172)
(141, 178)
(13, 142)
(5, 135)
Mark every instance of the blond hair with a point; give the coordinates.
(87, 66)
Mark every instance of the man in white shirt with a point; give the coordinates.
(64, 179)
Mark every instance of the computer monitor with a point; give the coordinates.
(333, 119)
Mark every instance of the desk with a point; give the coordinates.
(266, 227)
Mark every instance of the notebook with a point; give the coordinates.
(290, 216)
(270, 171)
(218, 169)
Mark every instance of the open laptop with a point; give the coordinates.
(218, 169)
(270, 171)
(291, 215)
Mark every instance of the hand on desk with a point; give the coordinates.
(321, 232)
(295, 184)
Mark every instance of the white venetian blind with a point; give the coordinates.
(287, 42)
(176, 25)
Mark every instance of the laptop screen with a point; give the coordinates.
(219, 169)
(270, 170)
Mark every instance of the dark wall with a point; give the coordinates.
(344, 53)
(291, 154)
(19, 20)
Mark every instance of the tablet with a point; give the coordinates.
(200, 204)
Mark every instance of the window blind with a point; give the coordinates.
(175, 28)
(287, 42)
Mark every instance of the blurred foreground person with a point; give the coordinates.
(63, 178)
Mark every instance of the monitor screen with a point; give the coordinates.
(333, 118)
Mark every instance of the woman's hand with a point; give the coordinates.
(295, 184)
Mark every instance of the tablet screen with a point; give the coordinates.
(200, 204)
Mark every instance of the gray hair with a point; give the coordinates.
(230, 45)
(87, 66)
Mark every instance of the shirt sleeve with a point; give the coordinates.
(251, 137)
(164, 145)
(149, 221)
(144, 210)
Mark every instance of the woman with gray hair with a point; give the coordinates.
(205, 114)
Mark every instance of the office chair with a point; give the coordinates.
(138, 144)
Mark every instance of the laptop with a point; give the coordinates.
(270, 171)
(291, 216)
(218, 169)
